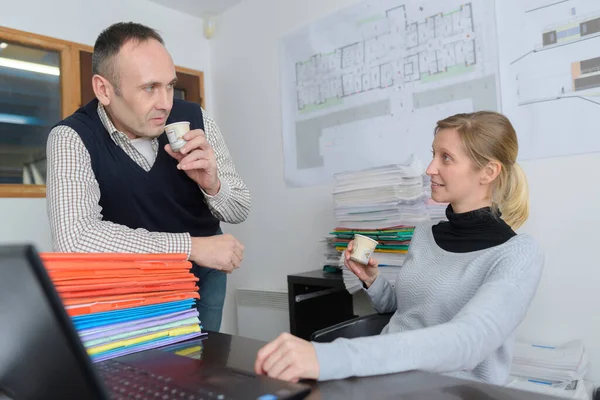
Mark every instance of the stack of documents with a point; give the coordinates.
(125, 303)
(392, 247)
(557, 370)
(550, 363)
(384, 203)
(380, 198)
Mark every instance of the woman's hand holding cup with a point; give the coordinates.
(357, 258)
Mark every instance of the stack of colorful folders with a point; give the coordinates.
(125, 303)
(393, 242)
(390, 252)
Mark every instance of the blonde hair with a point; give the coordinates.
(489, 136)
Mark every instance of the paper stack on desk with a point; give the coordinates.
(125, 303)
(550, 363)
(384, 203)
(555, 370)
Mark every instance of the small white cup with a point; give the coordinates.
(362, 249)
(175, 132)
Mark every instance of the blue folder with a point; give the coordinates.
(112, 317)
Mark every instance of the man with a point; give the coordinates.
(115, 185)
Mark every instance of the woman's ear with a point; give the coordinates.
(490, 172)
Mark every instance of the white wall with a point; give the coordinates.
(564, 220)
(24, 221)
(81, 21)
(285, 225)
(283, 231)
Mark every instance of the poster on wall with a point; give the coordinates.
(550, 73)
(364, 86)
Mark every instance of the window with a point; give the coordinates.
(34, 95)
(29, 107)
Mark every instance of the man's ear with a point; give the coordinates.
(103, 89)
(490, 172)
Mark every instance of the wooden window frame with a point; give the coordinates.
(66, 93)
(200, 75)
(70, 77)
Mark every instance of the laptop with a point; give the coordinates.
(42, 357)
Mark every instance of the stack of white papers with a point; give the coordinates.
(555, 370)
(382, 216)
(576, 390)
(332, 255)
(550, 363)
(382, 197)
(395, 174)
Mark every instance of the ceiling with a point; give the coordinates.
(199, 8)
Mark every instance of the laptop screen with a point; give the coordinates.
(40, 354)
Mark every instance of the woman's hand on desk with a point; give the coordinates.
(366, 273)
(288, 358)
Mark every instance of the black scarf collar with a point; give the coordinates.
(471, 231)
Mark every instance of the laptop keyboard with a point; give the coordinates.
(126, 382)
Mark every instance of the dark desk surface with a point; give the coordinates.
(238, 352)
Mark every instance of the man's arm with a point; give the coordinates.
(232, 203)
(73, 196)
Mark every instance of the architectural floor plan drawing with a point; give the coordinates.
(398, 51)
(365, 86)
(550, 74)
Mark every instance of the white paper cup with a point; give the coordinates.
(175, 132)
(362, 249)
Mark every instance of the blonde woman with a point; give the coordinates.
(466, 284)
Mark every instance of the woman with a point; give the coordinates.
(466, 284)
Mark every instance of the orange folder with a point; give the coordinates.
(111, 273)
(75, 308)
(101, 282)
(121, 265)
(119, 297)
(66, 293)
(112, 257)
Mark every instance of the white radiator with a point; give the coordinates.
(262, 314)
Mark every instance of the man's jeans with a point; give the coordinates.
(213, 284)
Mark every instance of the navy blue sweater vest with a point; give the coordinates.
(163, 199)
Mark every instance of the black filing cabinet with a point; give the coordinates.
(317, 299)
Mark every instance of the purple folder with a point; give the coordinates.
(139, 324)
